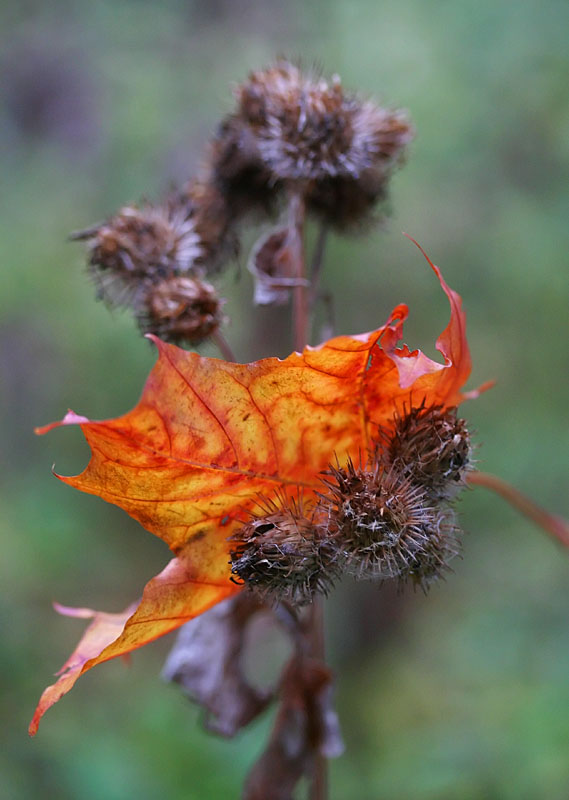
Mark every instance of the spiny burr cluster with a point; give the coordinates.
(390, 518)
(153, 259)
(291, 133)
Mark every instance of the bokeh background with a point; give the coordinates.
(463, 694)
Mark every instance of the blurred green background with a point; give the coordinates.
(460, 695)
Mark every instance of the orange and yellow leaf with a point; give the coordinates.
(208, 437)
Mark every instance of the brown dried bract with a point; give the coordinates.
(272, 266)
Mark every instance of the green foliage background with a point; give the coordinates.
(460, 695)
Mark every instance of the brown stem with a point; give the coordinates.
(551, 523)
(223, 346)
(319, 786)
(300, 310)
(317, 262)
(301, 328)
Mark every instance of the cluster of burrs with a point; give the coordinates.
(289, 133)
(389, 518)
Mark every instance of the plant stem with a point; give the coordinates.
(317, 262)
(319, 785)
(300, 309)
(551, 523)
(223, 346)
(301, 328)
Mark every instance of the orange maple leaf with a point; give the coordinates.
(208, 437)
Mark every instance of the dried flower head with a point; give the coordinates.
(281, 552)
(385, 526)
(430, 446)
(140, 245)
(347, 200)
(302, 125)
(180, 309)
(310, 128)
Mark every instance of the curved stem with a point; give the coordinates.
(551, 523)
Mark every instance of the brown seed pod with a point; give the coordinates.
(139, 246)
(281, 552)
(385, 526)
(430, 446)
(180, 309)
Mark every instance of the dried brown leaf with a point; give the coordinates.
(272, 268)
(306, 726)
(206, 662)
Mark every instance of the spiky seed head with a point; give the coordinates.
(139, 240)
(299, 122)
(181, 309)
(310, 129)
(431, 446)
(385, 526)
(280, 552)
(140, 245)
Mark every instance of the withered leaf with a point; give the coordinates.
(207, 663)
(271, 265)
(306, 726)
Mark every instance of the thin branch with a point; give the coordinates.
(551, 523)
